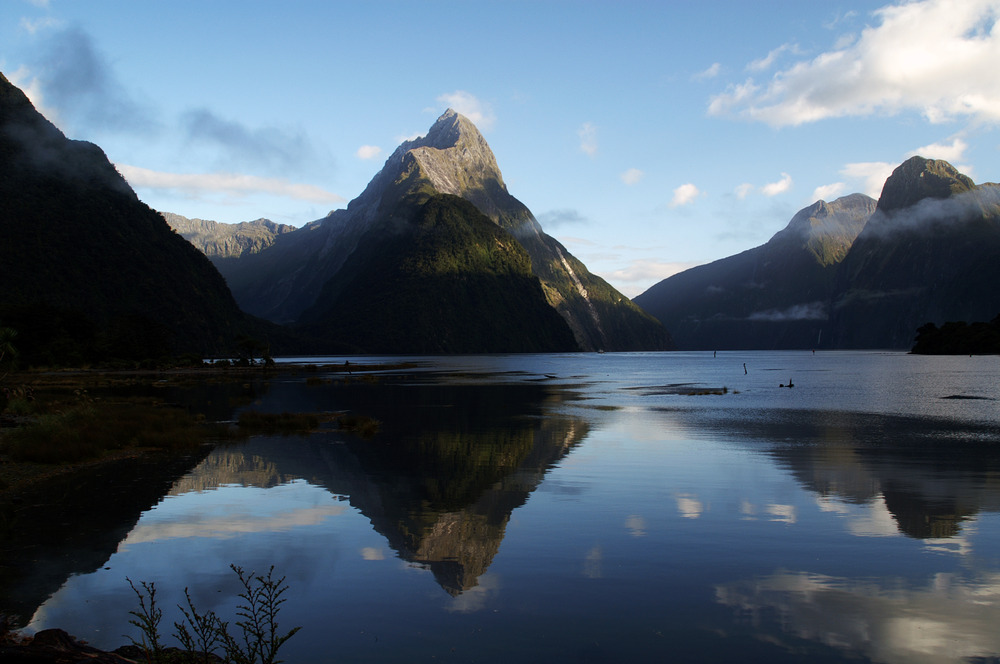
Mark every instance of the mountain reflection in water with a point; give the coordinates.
(574, 509)
(440, 479)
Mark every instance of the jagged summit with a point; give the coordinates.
(827, 230)
(453, 158)
(918, 178)
(450, 130)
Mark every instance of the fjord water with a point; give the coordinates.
(597, 507)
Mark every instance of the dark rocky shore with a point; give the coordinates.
(54, 646)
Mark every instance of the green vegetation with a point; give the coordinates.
(959, 338)
(362, 425)
(252, 421)
(90, 429)
(202, 635)
(441, 278)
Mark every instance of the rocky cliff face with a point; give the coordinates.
(918, 179)
(294, 278)
(220, 241)
(777, 295)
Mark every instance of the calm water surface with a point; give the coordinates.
(594, 508)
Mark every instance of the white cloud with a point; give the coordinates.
(684, 194)
(226, 183)
(368, 151)
(480, 113)
(642, 273)
(928, 56)
(828, 192)
(743, 190)
(711, 72)
(952, 153)
(779, 187)
(632, 176)
(588, 138)
(873, 174)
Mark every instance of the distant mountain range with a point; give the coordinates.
(849, 274)
(435, 256)
(221, 242)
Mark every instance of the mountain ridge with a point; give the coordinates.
(772, 296)
(925, 253)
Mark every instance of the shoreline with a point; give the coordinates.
(57, 385)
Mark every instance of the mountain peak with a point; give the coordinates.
(455, 158)
(450, 130)
(918, 178)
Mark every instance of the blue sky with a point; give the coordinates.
(648, 137)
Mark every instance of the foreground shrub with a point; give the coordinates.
(202, 635)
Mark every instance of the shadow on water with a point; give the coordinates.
(438, 480)
(71, 525)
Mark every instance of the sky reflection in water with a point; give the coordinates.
(584, 508)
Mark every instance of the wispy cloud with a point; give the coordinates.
(78, 87)
(480, 113)
(588, 138)
(631, 176)
(229, 184)
(561, 218)
(641, 273)
(768, 61)
(872, 175)
(368, 151)
(743, 190)
(927, 56)
(806, 311)
(828, 192)
(714, 70)
(271, 148)
(684, 195)
(34, 26)
(779, 187)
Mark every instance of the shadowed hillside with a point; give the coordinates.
(89, 271)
